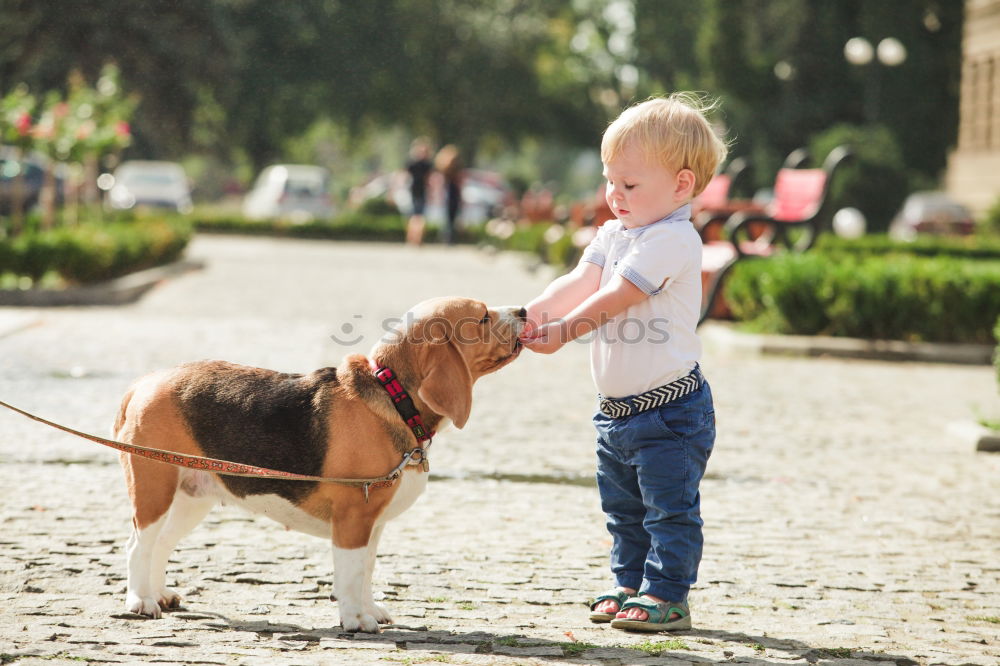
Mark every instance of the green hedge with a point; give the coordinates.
(991, 218)
(891, 296)
(93, 252)
(532, 239)
(996, 354)
(351, 226)
(984, 246)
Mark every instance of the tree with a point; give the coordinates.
(168, 53)
(16, 111)
(774, 109)
(239, 78)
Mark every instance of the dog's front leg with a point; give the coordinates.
(376, 610)
(349, 586)
(351, 575)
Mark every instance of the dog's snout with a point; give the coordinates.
(522, 314)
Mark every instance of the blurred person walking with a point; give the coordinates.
(419, 168)
(449, 162)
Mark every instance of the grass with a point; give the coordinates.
(512, 641)
(467, 606)
(838, 653)
(992, 619)
(992, 424)
(62, 656)
(757, 647)
(657, 647)
(409, 661)
(570, 649)
(577, 648)
(437, 600)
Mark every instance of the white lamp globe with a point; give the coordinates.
(891, 52)
(849, 223)
(858, 51)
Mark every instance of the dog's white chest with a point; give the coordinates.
(411, 485)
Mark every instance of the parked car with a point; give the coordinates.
(34, 177)
(297, 192)
(484, 195)
(140, 183)
(931, 212)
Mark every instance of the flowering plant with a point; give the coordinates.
(16, 122)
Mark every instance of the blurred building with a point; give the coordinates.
(974, 168)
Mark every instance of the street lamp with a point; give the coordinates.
(859, 51)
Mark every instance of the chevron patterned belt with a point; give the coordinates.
(661, 395)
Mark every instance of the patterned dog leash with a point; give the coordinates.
(415, 456)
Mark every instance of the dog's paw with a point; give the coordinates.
(379, 612)
(358, 622)
(142, 605)
(169, 598)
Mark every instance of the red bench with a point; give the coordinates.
(716, 203)
(799, 203)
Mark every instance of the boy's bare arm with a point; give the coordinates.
(595, 311)
(564, 294)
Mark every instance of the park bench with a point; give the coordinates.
(716, 203)
(791, 221)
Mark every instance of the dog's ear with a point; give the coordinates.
(447, 386)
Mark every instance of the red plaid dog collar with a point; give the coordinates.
(403, 403)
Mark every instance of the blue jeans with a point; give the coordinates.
(649, 466)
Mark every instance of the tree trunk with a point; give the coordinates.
(17, 211)
(48, 197)
(90, 173)
(71, 194)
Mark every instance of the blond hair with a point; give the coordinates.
(671, 130)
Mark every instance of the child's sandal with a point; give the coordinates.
(615, 595)
(658, 616)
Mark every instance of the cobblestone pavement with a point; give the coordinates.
(844, 525)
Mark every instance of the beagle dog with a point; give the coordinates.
(335, 422)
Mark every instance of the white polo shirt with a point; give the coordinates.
(654, 342)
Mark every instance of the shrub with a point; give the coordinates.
(996, 354)
(354, 225)
(549, 241)
(991, 219)
(563, 252)
(875, 181)
(93, 252)
(528, 238)
(378, 206)
(967, 247)
(35, 254)
(904, 297)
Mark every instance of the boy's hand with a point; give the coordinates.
(545, 339)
